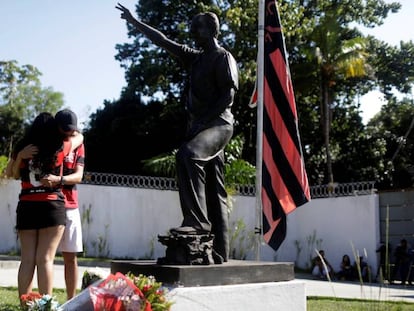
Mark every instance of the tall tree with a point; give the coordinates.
(394, 126)
(330, 70)
(337, 59)
(154, 78)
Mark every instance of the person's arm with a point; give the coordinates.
(156, 36)
(26, 153)
(71, 179)
(9, 168)
(76, 140)
(75, 177)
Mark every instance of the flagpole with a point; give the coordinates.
(259, 141)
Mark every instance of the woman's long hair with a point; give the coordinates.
(44, 134)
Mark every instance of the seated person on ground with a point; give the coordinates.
(321, 268)
(364, 269)
(346, 272)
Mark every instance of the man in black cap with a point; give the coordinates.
(73, 167)
(67, 121)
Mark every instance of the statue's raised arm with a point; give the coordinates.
(156, 36)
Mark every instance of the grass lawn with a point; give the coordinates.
(341, 304)
(10, 302)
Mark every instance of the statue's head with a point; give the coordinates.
(205, 26)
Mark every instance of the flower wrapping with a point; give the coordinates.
(118, 293)
(91, 276)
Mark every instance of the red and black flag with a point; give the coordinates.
(284, 183)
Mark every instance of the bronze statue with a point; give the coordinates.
(200, 159)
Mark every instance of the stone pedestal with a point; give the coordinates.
(234, 285)
(289, 296)
(231, 272)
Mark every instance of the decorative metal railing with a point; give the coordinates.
(164, 183)
(342, 190)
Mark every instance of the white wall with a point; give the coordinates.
(9, 191)
(123, 222)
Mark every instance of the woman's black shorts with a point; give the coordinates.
(37, 215)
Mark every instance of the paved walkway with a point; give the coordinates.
(342, 289)
(9, 267)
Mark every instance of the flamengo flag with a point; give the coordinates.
(284, 183)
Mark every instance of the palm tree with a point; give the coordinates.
(338, 59)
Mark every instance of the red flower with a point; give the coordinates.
(30, 296)
(25, 298)
(146, 288)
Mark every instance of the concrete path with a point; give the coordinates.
(339, 289)
(354, 290)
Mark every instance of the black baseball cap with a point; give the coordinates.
(67, 120)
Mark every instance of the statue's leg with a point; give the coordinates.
(191, 159)
(191, 185)
(216, 197)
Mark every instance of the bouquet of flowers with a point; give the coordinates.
(153, 291)
(129, 293)
(36, 302)
(117, 293)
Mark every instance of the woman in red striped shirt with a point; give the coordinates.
(40, 214)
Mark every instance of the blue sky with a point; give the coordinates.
(396, 28)
(73, 44)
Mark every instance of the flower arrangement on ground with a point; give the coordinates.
(121, 292)
(37, 302)
(153, 291)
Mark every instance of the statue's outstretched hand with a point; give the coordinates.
(126, 14)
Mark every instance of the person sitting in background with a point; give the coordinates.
(362, 269)
(321, 267)
(347, 271)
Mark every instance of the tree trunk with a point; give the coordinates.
(326, 123)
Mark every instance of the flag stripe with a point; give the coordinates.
(275, 150)
(284, 181)
(275, 181)
(272, 223)
(274, 220)
(274, 230)
(279, 97)
(282, 72)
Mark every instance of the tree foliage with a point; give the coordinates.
(126, 132)
(22, 97)
(329, 58)
(393, 127)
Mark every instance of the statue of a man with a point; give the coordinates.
(200, 159)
